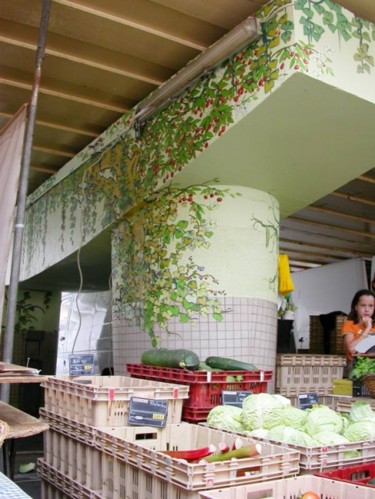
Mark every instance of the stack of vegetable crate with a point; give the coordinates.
(74, 408)
(297, 373)
(91, 451)
(205, 387)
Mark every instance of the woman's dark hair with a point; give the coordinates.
(353, 316)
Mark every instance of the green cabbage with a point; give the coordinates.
(330, 438)
(290, 435)
(322, 418)
(360, 431)
(294, 417)
(228, 417)
(263, 410)
(361, 411)
(259, 433)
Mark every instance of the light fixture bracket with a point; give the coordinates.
(236, 39)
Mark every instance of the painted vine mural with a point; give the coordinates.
(112, 174)
(271, 229)
(159, 281)
(318, 14)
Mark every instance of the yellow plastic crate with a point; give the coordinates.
(342, 387)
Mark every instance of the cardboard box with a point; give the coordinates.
(342, 387)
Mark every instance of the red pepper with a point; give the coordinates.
(191, 455)
(223, 447)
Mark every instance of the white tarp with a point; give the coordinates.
(11, 142)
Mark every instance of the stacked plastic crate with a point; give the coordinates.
(75, 408)
(297, 373)
(91, 451)
(205, 387)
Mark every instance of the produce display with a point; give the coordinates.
(272, 417)
(363, 367)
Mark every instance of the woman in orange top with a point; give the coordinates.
(361, 321)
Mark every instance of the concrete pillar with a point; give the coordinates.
(208, 255)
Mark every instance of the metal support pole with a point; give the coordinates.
(21, 199)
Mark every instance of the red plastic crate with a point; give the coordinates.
(205, 387)
(359, 474)
(195, 414)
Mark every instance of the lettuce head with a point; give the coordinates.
(290, 435)
(330, 438)
(322, 418)
(263, 410)
(294, 417)
(360, 431)
(228, 417)
(361, 411)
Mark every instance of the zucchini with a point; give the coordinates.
(163, 357)
(205, 367)
(227, 364)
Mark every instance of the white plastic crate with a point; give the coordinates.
(328, 400)
(297, 373)
(69, 427)
(147, 436)
(323, 458)
(275, 461)
(75, 460)
(289, 488)
(123, 481)
(56, 485)
(343, 403)
(104, 400)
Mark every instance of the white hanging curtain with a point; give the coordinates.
(11, 142)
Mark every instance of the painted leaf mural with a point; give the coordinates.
(160, 278)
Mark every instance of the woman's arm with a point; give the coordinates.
(350, 342)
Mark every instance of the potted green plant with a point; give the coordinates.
(364, 371)
(287, 310)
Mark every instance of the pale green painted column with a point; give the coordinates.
(208, 255)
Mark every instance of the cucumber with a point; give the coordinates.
(163, 357)
(227, 364)
(205, 367)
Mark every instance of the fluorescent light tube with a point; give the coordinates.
(243, 34)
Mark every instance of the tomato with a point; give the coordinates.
(310, 495)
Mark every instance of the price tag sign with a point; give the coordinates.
(81, 364)
(307, 400)
(147, 412)
(234, 398)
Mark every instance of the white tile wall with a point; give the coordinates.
(248, 333)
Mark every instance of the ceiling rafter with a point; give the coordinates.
(79, 59)
(365, 178)
(350, 197)
(336, 213)
(310, 253)
(132, 24)
(58, 126)
(330, 226)
(63, 95)
(43, 169)
(56, 152)
(332, 249)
